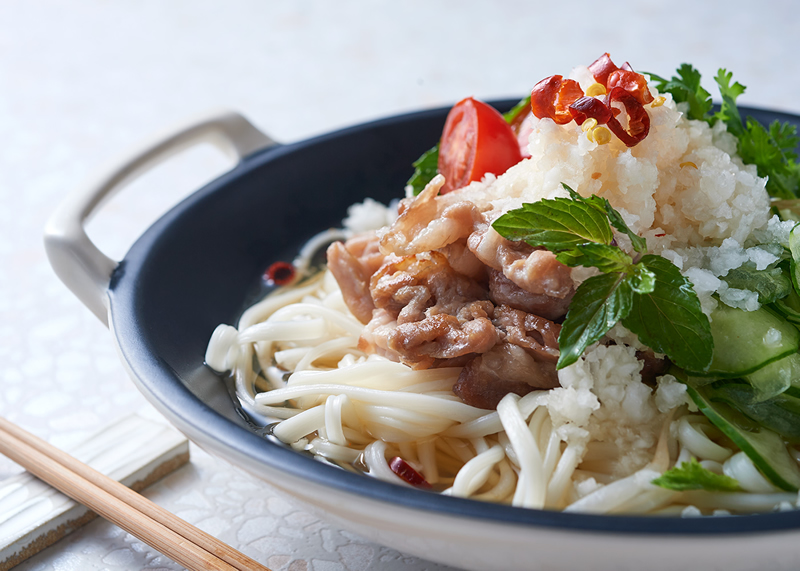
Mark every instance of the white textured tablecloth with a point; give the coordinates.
(82, 81)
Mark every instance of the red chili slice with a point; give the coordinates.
(552, 97)
(407, 473)
(280, 273)
(601, 68)
(632, 82)
(638, 119)
(589, 107)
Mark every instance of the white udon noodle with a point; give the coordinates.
(351, 408)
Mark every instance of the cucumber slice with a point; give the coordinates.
(773, 379)
(765, 448)
(789, 307)
(781, 414)
(745, 341)
(794, 248)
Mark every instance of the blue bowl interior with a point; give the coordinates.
(201, 264)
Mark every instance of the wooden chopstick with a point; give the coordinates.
(152, 524)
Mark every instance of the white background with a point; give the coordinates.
(82, 81)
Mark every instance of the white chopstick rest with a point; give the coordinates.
(134, 451)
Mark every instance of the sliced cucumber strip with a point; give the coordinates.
(765, 448)
(794, 248)
(745, 341)
(789, 307)
(771, 380)
(781, 414)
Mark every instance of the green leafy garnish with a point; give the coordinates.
(692, 475)
(729, 112)
(668, 319)
(557, 224)
(601, 256)
(772, 149)
(771, 284)
(425, 168)
(686, 88)
(773, 152)
(511, 115)
(599, 303)
(648, 295)
(602, 204)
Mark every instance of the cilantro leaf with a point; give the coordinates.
(686, 88)
(729, 112)
(669, 318)
(558, 224)
(773, 152)
(599, 303)
(693, 476)
(425, 168)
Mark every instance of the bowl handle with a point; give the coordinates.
(82, 267)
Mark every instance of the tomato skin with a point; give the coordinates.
(476, 140)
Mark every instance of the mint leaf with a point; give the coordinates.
(729, 112)
(604, 206)
(642, 279)
(425, 168)
(557, 224)
(669, 319)
(599, 303)
(650, 297)
(601, 256)
(692, 475)
(686, 88)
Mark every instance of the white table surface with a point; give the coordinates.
(82, 81)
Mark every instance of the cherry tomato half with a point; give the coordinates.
(476, 140)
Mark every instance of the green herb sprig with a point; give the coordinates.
(772, 149)
(648, 294)
(692, 475)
